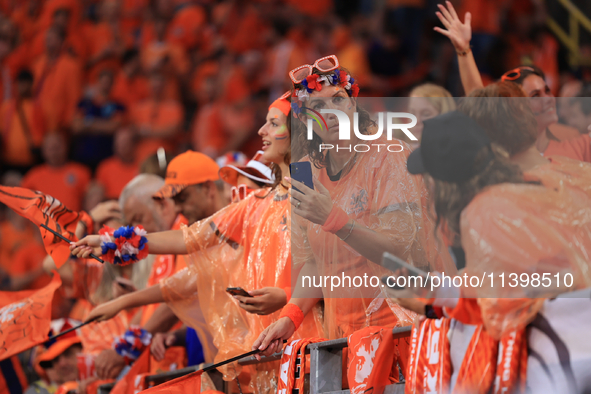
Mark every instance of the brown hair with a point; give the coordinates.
(525, 71)
(506, 117)
(450, 199)
(311, 147)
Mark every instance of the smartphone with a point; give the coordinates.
(421, 287)
(302, 172)
(238, 291)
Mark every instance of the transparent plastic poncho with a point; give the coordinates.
(246, 244)
(517, 231)
(376, 190)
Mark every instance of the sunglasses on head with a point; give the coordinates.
(324, 64)
(514, 74)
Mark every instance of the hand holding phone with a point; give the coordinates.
(238, 291)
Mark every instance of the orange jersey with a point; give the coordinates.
(58, 89)
(380, 194)
(156, 116)
(114, 174)
(12, 239)
(577, 148)
(67, 183)
(23, 128)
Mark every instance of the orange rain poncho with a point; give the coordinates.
(246, 244)
(380, 194)
(563, 171)
(525, 229)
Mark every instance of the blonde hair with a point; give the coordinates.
(438, 96)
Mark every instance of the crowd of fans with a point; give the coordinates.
(97, 92)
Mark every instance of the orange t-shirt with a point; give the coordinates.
(153, 53)
(564, 132)
(30, 259)
(67, 183)
(16, 143)
(12, 240)
(578, 148)
(58, 89)
(185, 27)
(102, 36)
(114, 174)
(157, 116)
(164, 266)
(130, 91)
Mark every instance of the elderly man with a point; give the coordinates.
(139, 208)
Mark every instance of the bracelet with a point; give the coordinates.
(350, 231)
(294, 313)
(129, 244)
(131, 344)
(464, 52)
(337, 219)
(433, 312)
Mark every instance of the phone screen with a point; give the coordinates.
(238, 291)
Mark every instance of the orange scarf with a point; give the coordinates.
(293, 365)
(486, 361)
(429, 368)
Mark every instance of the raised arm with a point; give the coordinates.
(165, 242)
(460, 35)
(108, 310)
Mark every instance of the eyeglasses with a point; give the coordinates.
(514, 74)
(324, 64)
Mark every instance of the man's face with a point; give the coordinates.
(64, 368)
(194, 202)
(144, 213)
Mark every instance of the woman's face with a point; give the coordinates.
(326, 126)
(543, 103)
(276, 141)
(423, 110)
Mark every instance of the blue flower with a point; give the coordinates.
(124, 231)
(295, 108)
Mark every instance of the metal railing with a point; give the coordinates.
(326, 368)
(571, 39)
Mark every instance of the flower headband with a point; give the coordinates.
(316, 82)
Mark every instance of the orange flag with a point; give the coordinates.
(188, 384)
(43, 209)
(25, 318)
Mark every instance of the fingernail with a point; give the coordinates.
(287, 178)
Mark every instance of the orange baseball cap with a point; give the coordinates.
(189, 168)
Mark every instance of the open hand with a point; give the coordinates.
(459, 33)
